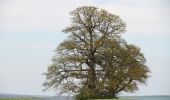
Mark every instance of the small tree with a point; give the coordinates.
(94, 61)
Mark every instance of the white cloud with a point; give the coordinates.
(142, 16)
(36, 15)
(146, 16)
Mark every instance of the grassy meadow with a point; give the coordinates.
(116, 99)
(20, 99)
(37, 98)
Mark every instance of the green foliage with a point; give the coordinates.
(95, 61)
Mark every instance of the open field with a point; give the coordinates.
(20, 99)
(26, 97)
(57, 99)
(116, 99)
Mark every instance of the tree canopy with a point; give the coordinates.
(94, 61)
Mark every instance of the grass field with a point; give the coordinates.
(47, 99)
(43, 99)
(19, 99)
(115, 99)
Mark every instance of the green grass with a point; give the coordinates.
(42, 99)
(116, 99)
(19, 99)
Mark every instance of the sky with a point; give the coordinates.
(30, 31)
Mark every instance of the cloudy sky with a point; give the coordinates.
(30, 30)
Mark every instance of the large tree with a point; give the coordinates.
(95, 61)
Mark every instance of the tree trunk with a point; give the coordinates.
(91, 82)
(92, 78)
(91, 74)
